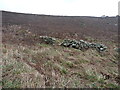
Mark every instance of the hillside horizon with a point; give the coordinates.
(55, 15)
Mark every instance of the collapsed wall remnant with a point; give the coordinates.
(81, 44)
(117, 49)
(48, 40)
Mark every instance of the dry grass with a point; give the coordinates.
(44, 65)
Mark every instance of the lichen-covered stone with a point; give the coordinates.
(83, 45)
(48, 40)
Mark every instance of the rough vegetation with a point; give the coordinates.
(31, 61)
(47, 65)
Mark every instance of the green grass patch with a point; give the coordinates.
(111, 85)
(43, 45)
(67, 63)
(11, 84)
(63, 70)
(4, 50)
(91, 78)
